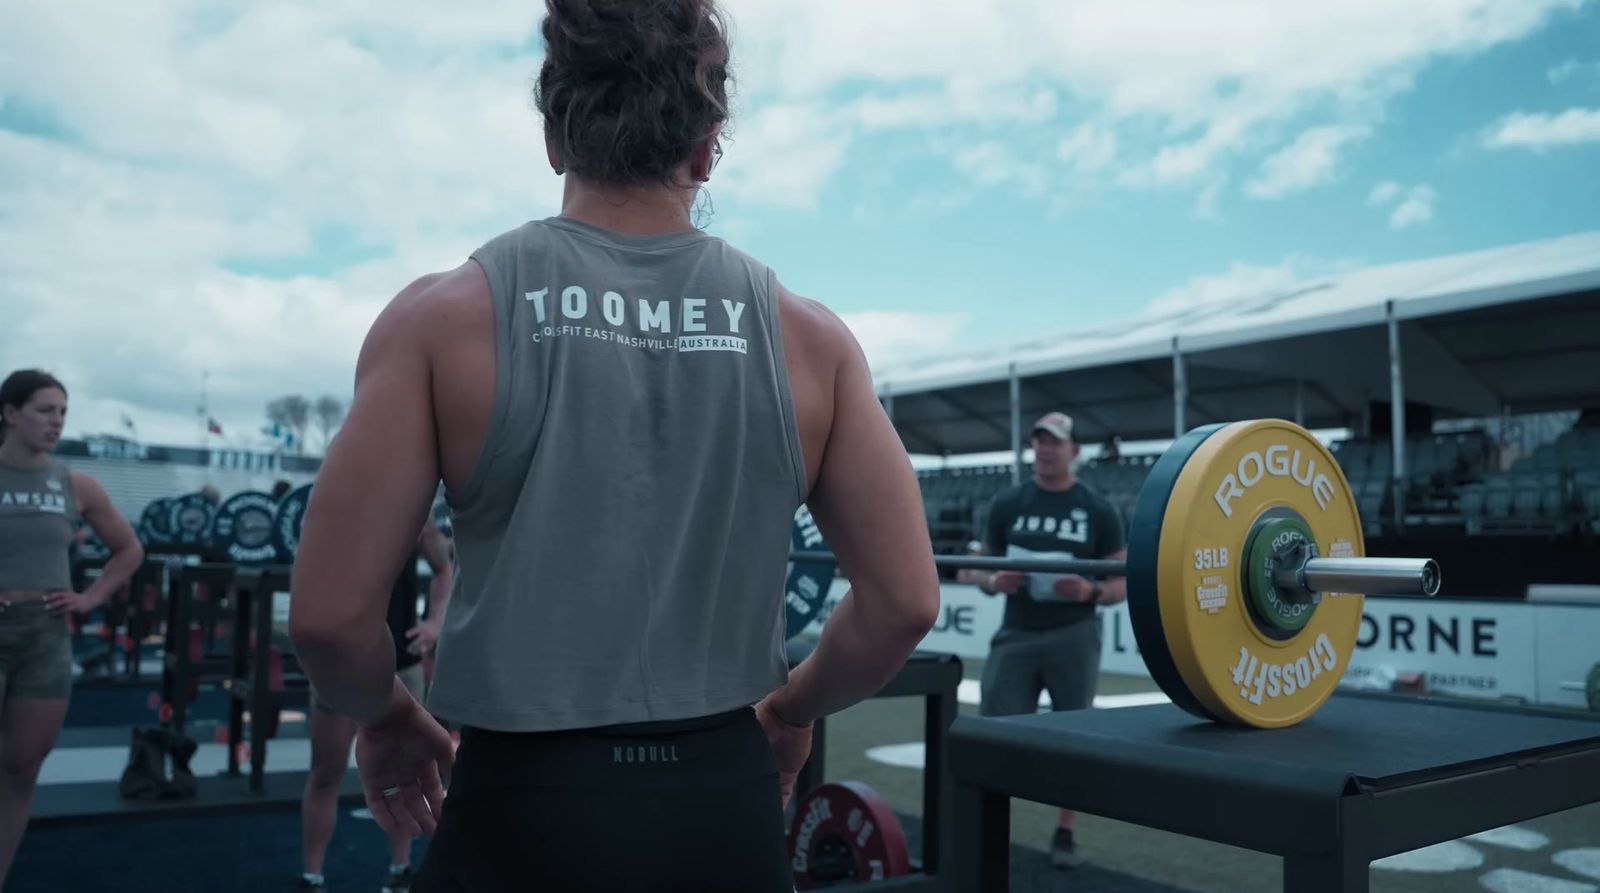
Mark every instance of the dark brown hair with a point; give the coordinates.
(628, 87)
(20, 386)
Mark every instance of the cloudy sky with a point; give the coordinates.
(236, 189)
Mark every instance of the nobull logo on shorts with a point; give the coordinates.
(666, 753)
(681, 324)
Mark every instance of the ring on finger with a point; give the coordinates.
(391, 791)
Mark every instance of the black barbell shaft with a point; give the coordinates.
(1391, 576)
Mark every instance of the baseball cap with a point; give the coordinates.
(1058, 424)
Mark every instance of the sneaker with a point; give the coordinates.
(300, 883)
(1063, 852)
(400, 881)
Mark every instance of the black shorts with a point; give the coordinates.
(688, 806)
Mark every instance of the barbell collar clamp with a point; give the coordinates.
(1390, 576)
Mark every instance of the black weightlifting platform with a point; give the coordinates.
(1362, 779)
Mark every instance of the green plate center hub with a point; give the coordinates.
(1271, 542)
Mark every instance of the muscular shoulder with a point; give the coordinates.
(434, 305)
(821, 353)
(815, 329)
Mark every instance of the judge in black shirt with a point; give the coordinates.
(1049, 639)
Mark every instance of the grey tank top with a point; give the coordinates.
(38, 515)
(624, 538)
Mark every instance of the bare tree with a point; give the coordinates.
(330, 413)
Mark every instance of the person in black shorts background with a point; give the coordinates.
(1049, 639)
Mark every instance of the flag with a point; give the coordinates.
(213, 426)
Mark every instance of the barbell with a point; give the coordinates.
(1311, 576)
(1245, 572)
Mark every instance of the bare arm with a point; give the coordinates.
(372, 496)
(869, 509)
(126, 552)
(1114, 589)
(997, 582)
(437, 552)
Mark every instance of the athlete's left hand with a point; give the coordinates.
(1073, 588)
(404, 760)
(61, 601)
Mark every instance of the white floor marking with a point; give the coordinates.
(66, 765)
(1510, 880)
(1137, 699)
(1585, 861)
(970, 691)
(1513, 837)
(1451, 855)
(906, 756)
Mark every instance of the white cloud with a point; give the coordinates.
(955, 104)
(1416, 210)
(1304, 163)
(209, 143)
(888, 337)
(782, 155)
(1186, 161)
(993, 163)
(1180, 86)
(1539, 131)
(196, 152)
(1415, 203)
(1089, 147)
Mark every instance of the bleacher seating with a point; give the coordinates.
(1555, 489)
(1119, 480)
(1455, 479)
(1452, 480)
(956, 502)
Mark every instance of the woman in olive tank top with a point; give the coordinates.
(41, 501)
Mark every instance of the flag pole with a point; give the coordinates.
(205, 417)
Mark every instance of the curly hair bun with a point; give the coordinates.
(628, 87)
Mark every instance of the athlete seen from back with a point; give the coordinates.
(626, 412)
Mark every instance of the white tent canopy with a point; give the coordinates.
(1515, 328)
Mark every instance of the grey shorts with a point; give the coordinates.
(35, 652)
(1023, 663)
(411, 677)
